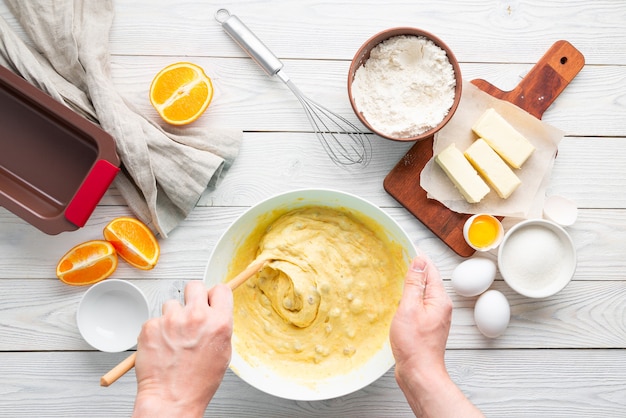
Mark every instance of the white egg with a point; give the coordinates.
(473, 276)
(492, 313)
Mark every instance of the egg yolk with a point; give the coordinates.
(483, 231)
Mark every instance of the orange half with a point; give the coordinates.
(181, 92)
(133, 241)
(87, 263)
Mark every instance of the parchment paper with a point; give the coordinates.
(527, 200)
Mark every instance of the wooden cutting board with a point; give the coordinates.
(535, 93)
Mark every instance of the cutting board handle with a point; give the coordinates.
(544, 82)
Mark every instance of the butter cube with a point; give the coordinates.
(512, 146)
(462, 174)
(492, 168)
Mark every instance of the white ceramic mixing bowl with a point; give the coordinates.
(264, 378)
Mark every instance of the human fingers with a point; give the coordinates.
(415, 280)
(195, 294)
(170, 306)
(434, 286)
(405, 326)
(148, 330)
(221, 298)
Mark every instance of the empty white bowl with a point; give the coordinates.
(537, 258)
(110, 315)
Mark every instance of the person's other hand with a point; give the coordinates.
(182, 356)
(418, 336)
(420, 328)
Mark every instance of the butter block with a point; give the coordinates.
(512, 146)
(492, 168)
(460, 171)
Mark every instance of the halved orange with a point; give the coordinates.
(181, 92)
(133, 241)
(87, 263)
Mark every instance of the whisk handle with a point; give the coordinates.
(249, 42)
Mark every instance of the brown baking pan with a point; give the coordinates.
(55, 165)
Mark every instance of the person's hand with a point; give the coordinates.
(418, 336)
(182, 356)
(420, 328)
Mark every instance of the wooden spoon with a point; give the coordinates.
(129, 362)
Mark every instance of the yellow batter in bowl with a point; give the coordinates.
(324, 304)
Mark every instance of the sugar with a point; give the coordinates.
(534, 257)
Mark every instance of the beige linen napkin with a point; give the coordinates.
(163, 173)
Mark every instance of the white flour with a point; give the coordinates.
(406, 87)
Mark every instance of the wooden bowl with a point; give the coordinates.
(363, 55)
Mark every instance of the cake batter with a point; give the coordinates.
(323, 306)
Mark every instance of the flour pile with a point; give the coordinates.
(406, 87)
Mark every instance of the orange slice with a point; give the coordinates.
(181, 92)
(133, 241)
(87, 263)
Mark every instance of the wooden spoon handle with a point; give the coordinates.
(129, 362)
(248, 272)
(119, 370)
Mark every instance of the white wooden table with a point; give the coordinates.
(561, 356)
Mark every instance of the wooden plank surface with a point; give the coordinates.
(566, 321)
(506, 383)
(560, 357)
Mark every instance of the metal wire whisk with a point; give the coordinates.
(342, 140)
